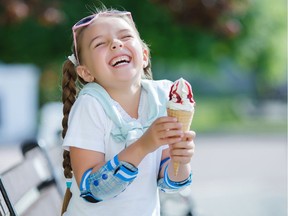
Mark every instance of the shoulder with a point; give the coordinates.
(87, 102)
(87, 105)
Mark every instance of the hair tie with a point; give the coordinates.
(68, 183)
(73, 59)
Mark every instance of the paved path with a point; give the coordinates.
(236, 175)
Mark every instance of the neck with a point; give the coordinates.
(128, 98)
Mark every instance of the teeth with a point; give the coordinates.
(120, 59)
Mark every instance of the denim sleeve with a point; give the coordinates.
(108, 182)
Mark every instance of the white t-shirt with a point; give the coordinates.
(89, 128)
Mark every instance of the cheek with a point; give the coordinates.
(96, 56)
(137, 50)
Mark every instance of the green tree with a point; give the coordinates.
(251, 34)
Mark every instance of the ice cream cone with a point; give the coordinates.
(185, 118)
(181, 105)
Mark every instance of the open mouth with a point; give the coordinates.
(120, 60)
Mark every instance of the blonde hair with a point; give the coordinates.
(71, 85)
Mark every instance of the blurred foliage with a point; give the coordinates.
(250, 33)
(238, 115)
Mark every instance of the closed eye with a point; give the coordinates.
(126, 37)
(99, 44)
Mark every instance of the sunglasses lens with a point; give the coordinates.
(85, 20)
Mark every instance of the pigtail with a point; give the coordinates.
(148, 71)
(69, 92)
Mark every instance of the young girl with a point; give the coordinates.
(120, 142)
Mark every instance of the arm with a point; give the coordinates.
(163, 130)
(181, 152)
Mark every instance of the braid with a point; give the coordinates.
(69, 92)
(68, 99)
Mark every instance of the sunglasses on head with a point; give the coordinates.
(89, 19)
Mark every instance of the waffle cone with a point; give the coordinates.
(185, 118)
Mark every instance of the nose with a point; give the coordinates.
(116, 44)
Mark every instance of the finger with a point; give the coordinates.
(189, 135)
(166, 126)
(170, 140)
(170, 134)
(182, 152)
(165, 119)
(183, 145)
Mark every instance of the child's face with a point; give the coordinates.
(111, 52)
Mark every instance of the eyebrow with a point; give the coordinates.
(99, 36)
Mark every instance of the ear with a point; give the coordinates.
(145, 57)
(84, 73)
